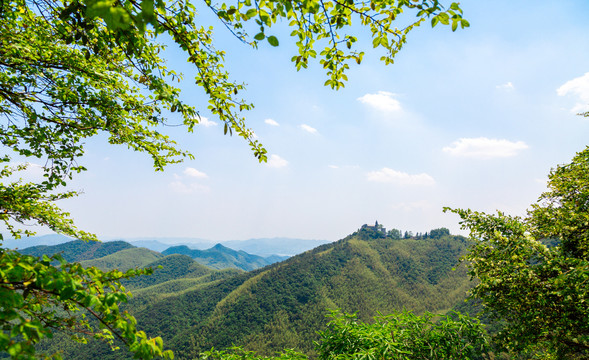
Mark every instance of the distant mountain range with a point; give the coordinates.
(283, 305)
(122, 255)
(52, 239)
(277, 245)
(264, 247)
(221, 257)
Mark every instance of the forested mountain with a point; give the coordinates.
(284, 305)
(125, 259)
(78, 250)
(177, 268)
(264, 247)
(221, 257)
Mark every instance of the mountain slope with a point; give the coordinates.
(283, 305)
(173, 267)
(125, 259)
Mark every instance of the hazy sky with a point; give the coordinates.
(472, 119)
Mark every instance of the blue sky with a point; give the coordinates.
(472, 119)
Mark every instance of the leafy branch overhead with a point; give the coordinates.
(331, 21)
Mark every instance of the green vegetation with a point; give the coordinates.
(124, 260)
(282, 306)
(37, 296)
(539, 293)
(72, 70)
(402, 335)
(42, 289)
(173, 267)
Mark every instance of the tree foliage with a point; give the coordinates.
(399, 336)
(403, 335)
(37, 298)
(541, 292)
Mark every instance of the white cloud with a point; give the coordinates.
(276, 161)
(382, 100)
(508, 86)
(206, 122)
(271, 122)
(333, 166)
(182, 188)
(308, 128)
(192, 172)
(578, 87)
(485, 148)
(386, 175)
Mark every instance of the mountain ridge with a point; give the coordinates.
(265, 247)
(222, 257)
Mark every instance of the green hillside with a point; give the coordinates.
(78, 250)
(125, 259)
(195, 308)
(221, 257)
(173, 275)
(175, 267)
(283, 306)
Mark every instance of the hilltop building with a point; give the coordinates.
(376, 228)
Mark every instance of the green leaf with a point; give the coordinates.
(147, 10)
(251, 13)
(273, 40)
